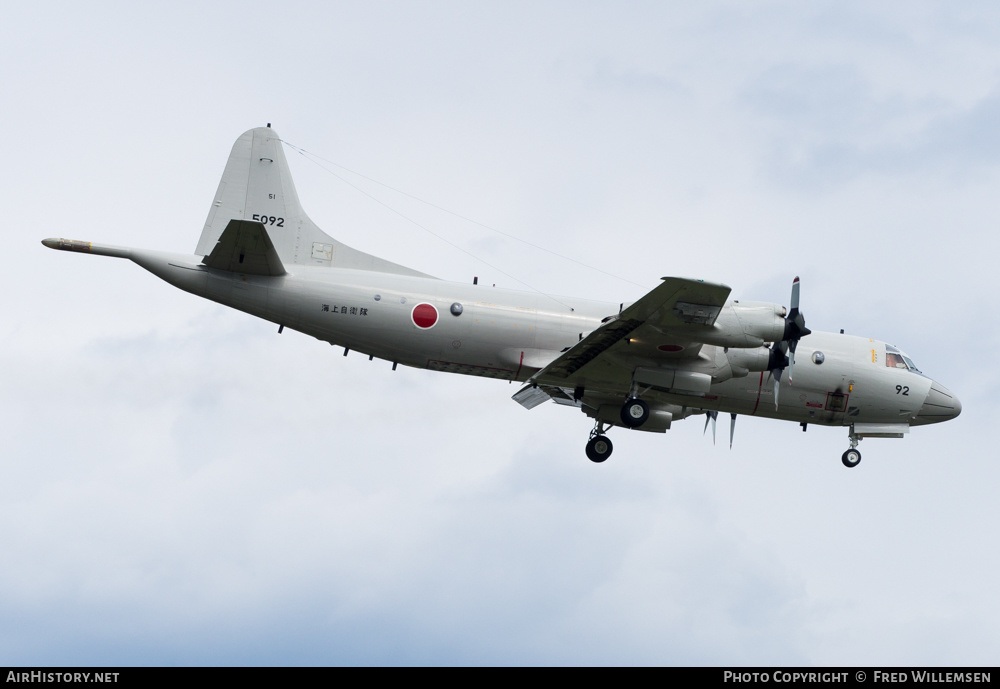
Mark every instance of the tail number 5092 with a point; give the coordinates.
(269, 220)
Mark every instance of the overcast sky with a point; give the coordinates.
(181, 485)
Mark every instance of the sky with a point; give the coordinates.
(183, 486)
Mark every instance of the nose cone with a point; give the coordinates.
(941, 404)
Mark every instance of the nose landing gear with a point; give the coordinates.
(852, 457)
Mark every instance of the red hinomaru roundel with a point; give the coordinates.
(424, 315)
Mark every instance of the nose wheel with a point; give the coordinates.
(852, 457)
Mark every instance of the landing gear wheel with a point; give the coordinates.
(599, 448)
(634, 413)
(851, 458)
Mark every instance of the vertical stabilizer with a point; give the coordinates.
(257, 186)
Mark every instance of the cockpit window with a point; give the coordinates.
(896, 359)
(893, 360)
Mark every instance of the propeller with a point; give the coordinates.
(776, 364)
(710, 416)
(795, 326)
(783, 351)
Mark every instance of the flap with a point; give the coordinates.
(531, 395)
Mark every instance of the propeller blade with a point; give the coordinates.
(710, 416)
(795, 322)
(783, 351)
(795, 329)
(732, 429)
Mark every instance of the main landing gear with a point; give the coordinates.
(852, 457)
(634, 412)
(599, 446)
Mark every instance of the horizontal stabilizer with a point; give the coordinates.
(244, 247)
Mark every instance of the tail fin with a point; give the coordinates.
(257, 186)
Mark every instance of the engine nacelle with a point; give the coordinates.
(746, 324)
(737, 363)
(682, 380)
(749, 359)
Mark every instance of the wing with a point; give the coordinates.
(666, 325)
